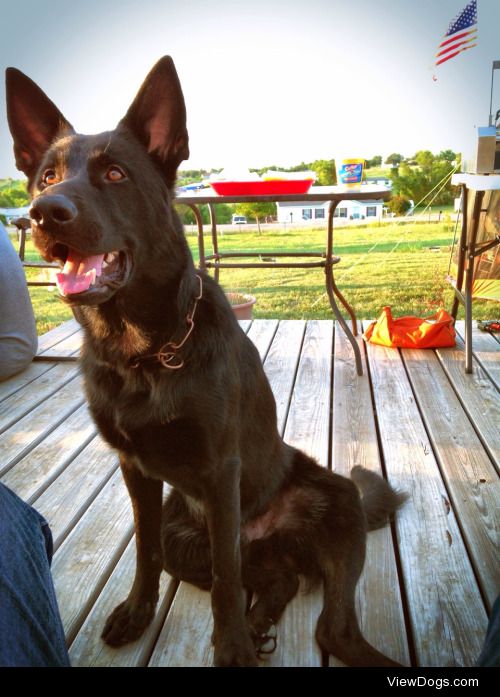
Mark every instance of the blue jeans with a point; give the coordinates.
(31, 632)
(490, 655)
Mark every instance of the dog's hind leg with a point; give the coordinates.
(341, 563)
(274, 588)
(338, 632)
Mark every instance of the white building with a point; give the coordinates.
(300, 211)
(13, 213)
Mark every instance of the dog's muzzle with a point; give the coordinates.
(87, 277)
(53, 213)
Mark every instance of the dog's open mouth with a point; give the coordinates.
(92, 278)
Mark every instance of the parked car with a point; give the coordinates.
(239, 220)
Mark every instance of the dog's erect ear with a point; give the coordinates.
(157, 118)
(34, 120)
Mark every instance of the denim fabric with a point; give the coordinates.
(31, 632)
(490, 655)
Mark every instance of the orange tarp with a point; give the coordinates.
(412, 332)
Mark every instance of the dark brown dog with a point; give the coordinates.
(177, 388)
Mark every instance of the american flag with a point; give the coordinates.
(461, 34)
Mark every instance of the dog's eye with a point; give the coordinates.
(115, 174)
(49, 177)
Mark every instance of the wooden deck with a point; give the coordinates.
(429, 582)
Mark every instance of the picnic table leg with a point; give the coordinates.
(332, 290)
(201, 242)
(469, 277)
(461, 255)
(215, 244)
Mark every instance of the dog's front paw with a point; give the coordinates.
(127, 622)
(238, 652)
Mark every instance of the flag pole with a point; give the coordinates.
(494, 66)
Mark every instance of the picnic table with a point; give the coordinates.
(429, 580)
(289, 260)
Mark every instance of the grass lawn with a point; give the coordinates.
(403, 265)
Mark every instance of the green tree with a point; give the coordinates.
(417, 182)
(448, 155)
(256, 211)
(394, 159)
(223, 213)
(425, 160)
(325, 172)
(399, 205)
(13, 193)
(374, 161)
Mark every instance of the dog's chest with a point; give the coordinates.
(149, 424)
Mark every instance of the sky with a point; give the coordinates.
(266, 82)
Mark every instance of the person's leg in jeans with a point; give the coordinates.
(31, 632)
(490, 655)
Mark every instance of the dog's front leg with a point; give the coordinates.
(232, 643)
(128, 621)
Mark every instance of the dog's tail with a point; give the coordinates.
(380, 501)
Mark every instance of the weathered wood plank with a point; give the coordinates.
(485, 348)
(87, 557)
(355, 442)
(36, 392)
(88, 649)
(261, 334)
(185, 640)
(281, 364)
(478, 396)
(70, 346)
(483, 341)
(69, 496)
(308, 428)
(45, 461)
(17, 382)
(29, 430)
(445, 607)
(54, 336)
(308, 423)
(470, 477)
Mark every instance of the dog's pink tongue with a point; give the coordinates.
(79, 273)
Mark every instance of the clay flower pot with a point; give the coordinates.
(242, 304)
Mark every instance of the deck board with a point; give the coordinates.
(88, 649)
(90, 552)
(41, 465)
(446, 610)
(307, 428)
(60, 333)
(72, 493)
(414, 416)
(30, 428)
(485, 348)
(478, 395)
(23, 401)
(468, 472)
(355, 443)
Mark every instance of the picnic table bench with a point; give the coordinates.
(429, 580)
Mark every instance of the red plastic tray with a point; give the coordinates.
(262, 188)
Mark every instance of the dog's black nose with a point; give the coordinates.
(52, 211)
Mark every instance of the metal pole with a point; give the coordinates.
(494, 66)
